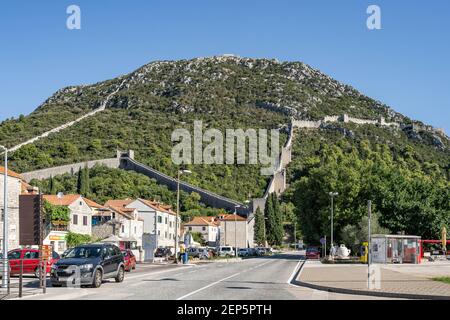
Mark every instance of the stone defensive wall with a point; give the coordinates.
(70, 169)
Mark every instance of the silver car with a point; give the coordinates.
(243, 252)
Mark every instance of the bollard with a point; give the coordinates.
(44, 276)
(8, 290)
(21, 278)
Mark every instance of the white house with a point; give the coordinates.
(14, 186)
(207, 226)
(80, 220)
(130, 227)
(159, 224)
(234, 231)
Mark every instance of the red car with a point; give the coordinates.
(312, 253)
(30, 259)
(129, 259)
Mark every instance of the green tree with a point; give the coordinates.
(76, 239)
(274, 230)
(79, 180)
(259, 228)
(53, 189)
(83, 182)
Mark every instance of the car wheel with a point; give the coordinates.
(98, 278)
(134, 266)
(37, 272)
(120, 275)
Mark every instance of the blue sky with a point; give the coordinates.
(405, 65)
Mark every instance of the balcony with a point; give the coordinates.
(58, 226)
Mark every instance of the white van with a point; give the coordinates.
(225, 251)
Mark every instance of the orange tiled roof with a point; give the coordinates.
(158, 206)
(65, 200)
(202, 221)
(10, 173)
(28, 189)
(126, 212)
(118, 203)
(231, 217)
(92, 203)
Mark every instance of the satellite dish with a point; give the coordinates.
(60, 195)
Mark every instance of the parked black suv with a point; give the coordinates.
(163, 253)
(89, 264)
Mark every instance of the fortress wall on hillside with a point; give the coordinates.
(70, 169)
(209, 198)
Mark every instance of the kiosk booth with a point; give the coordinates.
(396, 249)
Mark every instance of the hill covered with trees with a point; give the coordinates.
(405, 172)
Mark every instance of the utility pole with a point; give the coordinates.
(332, 195)
(5, 223)
(176, 218)
(235, 231)
(180, 172)
(295, 235)
(369, 253)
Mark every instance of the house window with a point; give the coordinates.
(159, 219)
(165, 234)
(159, 232)
(190, 228)
(81, 204)
(204, 228)
(170, 224)
(135, 230)
(123, 228)
(85, 221)
(75, 219)
(61, 246)
(113, 215)
(166, 220)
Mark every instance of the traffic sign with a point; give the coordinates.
(46, 252)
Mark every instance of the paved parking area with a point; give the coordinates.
(402, 279)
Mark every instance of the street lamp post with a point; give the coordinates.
(180, 172)
(235, 231)
(265, 234)
(5, 222)
(369, 253)
(235, 227)
(295, 235)
(332, 195)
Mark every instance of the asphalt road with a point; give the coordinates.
(264, 278)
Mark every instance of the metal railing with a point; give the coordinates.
(15, 284)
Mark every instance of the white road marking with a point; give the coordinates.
(294, 272)
(221, 280)
(152, 273)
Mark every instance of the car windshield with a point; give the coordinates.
(226, 249)
(84, 252)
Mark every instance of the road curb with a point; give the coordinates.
(364, 292)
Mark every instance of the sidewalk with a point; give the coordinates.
(408, 281)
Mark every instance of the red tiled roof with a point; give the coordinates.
(158, 206)
(10, 173)
(231, 217)
(92, 203)
(65, 200)
(126, 212)
(118, 203)
(202, 221)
